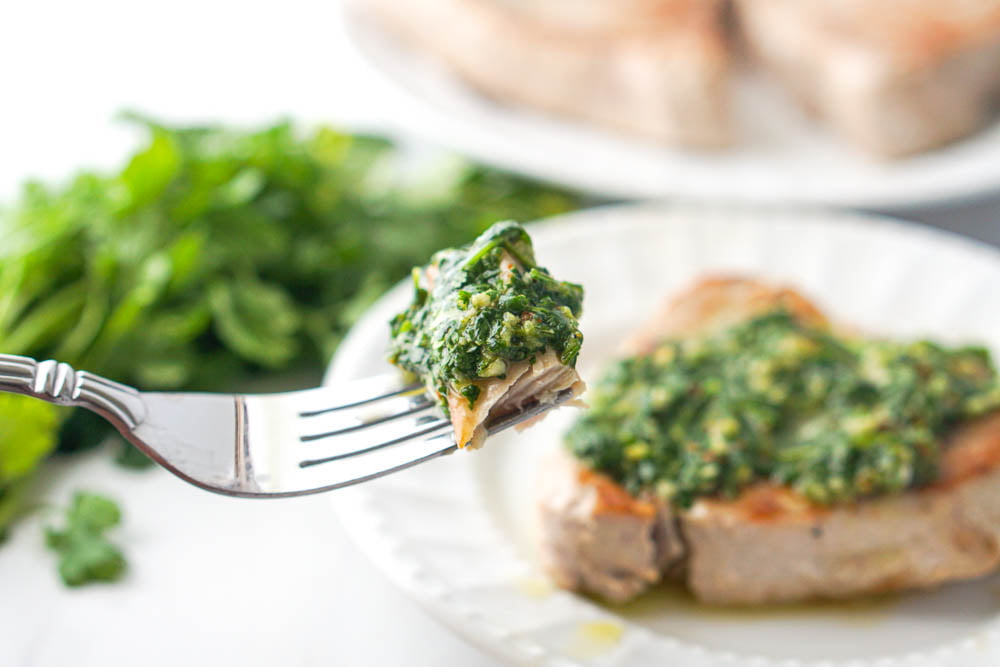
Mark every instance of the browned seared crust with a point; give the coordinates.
(974, 450)
(771, 544)
(611, 498)
(716, 303)
(893, 76)
(652, 68)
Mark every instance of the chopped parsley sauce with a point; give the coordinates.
(480, 308)
(772, 399)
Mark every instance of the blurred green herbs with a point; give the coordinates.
(85, 554)
(217, 255)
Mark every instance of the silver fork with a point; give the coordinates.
(264, 445)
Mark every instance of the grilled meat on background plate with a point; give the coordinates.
(894, 76)
(769, 542)
(652, 68)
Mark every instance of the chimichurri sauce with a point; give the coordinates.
(477, 309)
(772, 399)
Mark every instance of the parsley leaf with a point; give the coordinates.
(85, 554)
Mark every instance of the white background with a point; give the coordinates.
(214, 580)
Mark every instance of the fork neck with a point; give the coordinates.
(59, 383)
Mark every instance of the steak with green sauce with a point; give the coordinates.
(490, 332)
(838, 505)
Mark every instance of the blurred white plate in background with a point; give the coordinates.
(456, 533)
(781, 156)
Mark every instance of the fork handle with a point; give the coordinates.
(59, 383)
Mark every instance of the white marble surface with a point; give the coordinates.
(214, 580)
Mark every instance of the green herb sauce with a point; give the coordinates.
(489, 305)
(773, 399)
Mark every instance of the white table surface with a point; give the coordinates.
(213, 580)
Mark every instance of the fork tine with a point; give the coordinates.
(431, 428)
(399, 427)
(353, 466)
(314, 402)
(323, 447)
(331, 422)
(377, 463)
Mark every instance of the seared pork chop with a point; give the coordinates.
(893, 76)
(597, 537)
(771, 544)
(653, 68)
(525, 383)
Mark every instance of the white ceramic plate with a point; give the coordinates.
(456, 533)
(782, 155)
